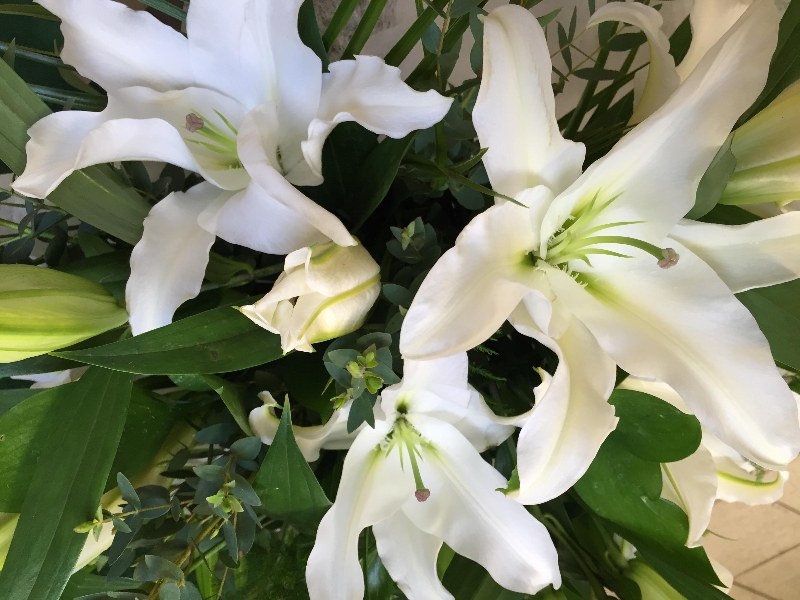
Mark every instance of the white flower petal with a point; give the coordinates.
(332, 270)
(451, 371)
(662, 77)
(710, 20)
(514, 114)
(473, 287)
(254, 219)
(656, 167)
(257, 151)
(738, 485)
(371, 93)
(372, 488)
(409, 555)
(571, 419)
(292, 70)
(473, 518)
(691, 483)
(481, 426)
(753, 255)
(169, 262)
(684, 327)
(330, 436)
(118, 47)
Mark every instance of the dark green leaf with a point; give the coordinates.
(652, 429)
(364, 29)
(66, 486)
(689, 587)
(777, 312)
(221, 269)
(165, 7)
(713, 183)
(10, 398)
(216, 341)
(339, 21)
(83, 584)
(462, 7)
(231, 395)
(414, 33)
(128, 493)
(286, 484)
(680, 41)
(360, 412)
(545, 20)
(596, 74)
(308, 28)
(246, 448)
(626, 41)
(153, 568)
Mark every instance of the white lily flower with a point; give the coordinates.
(418, 479)
(241, 101)
(601, 247)
(714, 472)
(324, 292)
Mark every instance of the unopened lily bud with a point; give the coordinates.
(43, 310)
(767, 153)
(651, 584)
(324, 292)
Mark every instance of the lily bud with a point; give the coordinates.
(767, 153)
(43, 310)
(651, 584)
(324, 292)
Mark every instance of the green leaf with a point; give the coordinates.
(545, 20)
(10, 398)
(596, 74)
(285, 483)
(689, 587)
(784, 69)
(406, 44)
(66, 486)
(468, 580)
(215, 341)
(231, 395)
(222, 269)
(777, 312)
(462, 7)
(26, 427)
(153, 568)
(714, 181)
(339, 21)
(84, 584)
(165, 7)
(27, 10)
(652, 429)
(360, 412)
(95, 195)
(364, 29)
(308, 28)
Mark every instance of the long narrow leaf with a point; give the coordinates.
(406, 43)
(67, 484)
(168, 9)
(339, 21)
(365, 27)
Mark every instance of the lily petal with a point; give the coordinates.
(474, 286)
(254, 219)
(662, 77)
(409, 555)
(753, 255)
(710, 20)
(373, 94)
(514, 113)
(656, 168)
(169, 262)
(571, 419)
(372, 488)
(683, 326)
(118, 47)
(473, 518)
(332, 435)
(257, 151)
(691, 483)
(752, 488)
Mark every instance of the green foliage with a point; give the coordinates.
(216, 341)
(66, 485)
(286, 484)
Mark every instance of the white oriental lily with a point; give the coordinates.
(607, 247)
(418, 479)
(710, 20)
(714, 472)
(241, 101)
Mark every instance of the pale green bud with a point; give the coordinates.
(651, 584)
(767, 154)
(42, 310)
(324, 292)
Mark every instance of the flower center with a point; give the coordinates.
(221, 142)
(576, 240)
(408, 440)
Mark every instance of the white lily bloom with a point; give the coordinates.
(418, 479)
(324, 292)
(600, 247)
(714, 472)
(241, 101)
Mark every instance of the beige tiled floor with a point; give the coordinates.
(760, 545)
